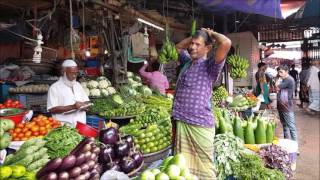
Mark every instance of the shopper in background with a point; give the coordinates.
(153, 77)
(314, 88)
(262, 85)
(193, 120)
(285, 104)
(66, 95)
(304, 89)
(294, 73)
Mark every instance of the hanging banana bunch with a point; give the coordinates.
(168, 51)
(239, 65)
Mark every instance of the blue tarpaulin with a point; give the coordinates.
(269, 8)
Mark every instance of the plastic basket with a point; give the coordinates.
(92, 71)
(95, 121)
(36, 102)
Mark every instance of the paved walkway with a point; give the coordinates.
(308, 163)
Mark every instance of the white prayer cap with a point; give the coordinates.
(69, 63)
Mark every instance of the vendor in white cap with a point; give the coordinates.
(67, 95)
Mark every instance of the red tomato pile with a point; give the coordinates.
(9, 103)
(39, 126)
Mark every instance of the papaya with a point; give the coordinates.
(249, 134)
(260, 132)
(237, 128)
(269, 132)
(222, 125)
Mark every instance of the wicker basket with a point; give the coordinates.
(134, 172)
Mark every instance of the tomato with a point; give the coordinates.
(48, 126)
(24, 138)
(16, 139)
(43, 132)
(14, 134)
(2, 106)
(9, 101)
(20, 135)
(36, 133)
(28, 134)
(29, 125)
(33, 124)
(42, 128)
(20, 125)
(17, 130)
(24, 129)
(41, 123)
(11, 131)
(35, 128)
(16, 102)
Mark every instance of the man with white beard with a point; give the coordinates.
(66, 97)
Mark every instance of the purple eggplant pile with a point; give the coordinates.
(80, 164)
(118, 153)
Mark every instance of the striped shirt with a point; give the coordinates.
(192, 102)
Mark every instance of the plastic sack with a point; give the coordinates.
(114, 175)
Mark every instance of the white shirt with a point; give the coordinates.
(62, 95)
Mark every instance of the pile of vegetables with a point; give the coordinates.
(16, 172)
(118, 153)
(239, 103)
(38, 127)
(152, 115)
(9, 103)
(255, 130)
(251, 166)
(134, 86)
(6, 125)
(115, 106)
(219, 94)
(276, 158)
(173, 167)
(61, 141)
(80, 163)
(40, 88)
(101, 87)
(228, 149)
(252, 99)
(239, 66)
(32, 155)
(158, 101)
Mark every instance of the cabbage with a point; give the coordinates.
(95, 93)
(137, 78)
(145, 90)
(131, 81)
(92, 84)
(129, 74)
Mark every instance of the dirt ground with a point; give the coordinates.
(308, 163)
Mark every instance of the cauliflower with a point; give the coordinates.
(104, 92)
(87, 91)
(92, 84)
(101, 78)
(95, 93)
(84, 84)
(129, 74)
(111, 90)
(103, 84)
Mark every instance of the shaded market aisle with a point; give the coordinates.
(308, 163)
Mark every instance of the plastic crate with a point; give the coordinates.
(36, 102)
(95, 121)
(92, 71)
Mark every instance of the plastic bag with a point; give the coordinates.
(114, 175)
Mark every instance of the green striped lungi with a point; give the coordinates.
(196, 144)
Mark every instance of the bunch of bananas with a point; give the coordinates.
(168, 52)
(239, 66)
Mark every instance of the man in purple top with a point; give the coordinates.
(194, 123)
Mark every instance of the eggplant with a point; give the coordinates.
(127, 165)
(63, 176)
(121, 149)
(106, 154)
(68, 162)
(74, 172)
(87, 155)
(50, 166)
(138, 158)
(129, 140)
(84, 168)
(80, 159)
(50, 176)
(111, 166)
(109, 136)
(78, 148)
(91, 164)
(80, 177)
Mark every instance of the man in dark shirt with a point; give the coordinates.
(294, 73)
(285, 104)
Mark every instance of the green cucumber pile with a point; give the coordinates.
(219, 94)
